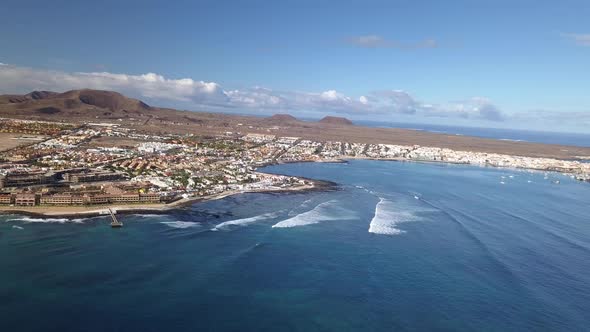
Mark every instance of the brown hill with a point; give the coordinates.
(281, 118)
(336, 120)
(75, 103)
(35, 95)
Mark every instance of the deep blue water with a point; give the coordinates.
(451, 248)
(573, 139)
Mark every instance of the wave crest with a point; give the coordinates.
(387, 216)
(180, 224)
(244, 221)
(47, 220)
(326, 211)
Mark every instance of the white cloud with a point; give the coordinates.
(331, 95)
(476, 107)
(399, 101)
(256, 97)
(368, 41)
(150, 85)
(195, 94)
(155, 86)
(375, 41)
(580, 39)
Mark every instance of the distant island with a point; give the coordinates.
(83, 151)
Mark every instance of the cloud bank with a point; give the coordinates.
(200, 94)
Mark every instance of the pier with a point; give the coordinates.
(115, 223)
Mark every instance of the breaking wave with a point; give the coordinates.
(30, 220)
(387, 216)
(17, 227)
(303, 205)
(48, 220)
(322, 212)
(147, 215)
(244, 221)
(180, 224)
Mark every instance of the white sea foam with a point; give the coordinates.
(51, 220)
(180, 224)
(244, 221)
(41, 220)
(323, 212)
(148, 215)
(306, 202)
(17, 227)
(387, 216)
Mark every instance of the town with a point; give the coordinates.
(107, 164)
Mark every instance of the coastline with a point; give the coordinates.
(161, 208)
(155, 208)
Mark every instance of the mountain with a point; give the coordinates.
(336, 120)
(75, 103)
(280, 119)
(35, 95)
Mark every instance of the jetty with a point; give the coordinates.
(115, 223)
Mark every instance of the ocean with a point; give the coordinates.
(395, 246)
(517, 135)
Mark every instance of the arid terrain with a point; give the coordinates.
(11, 140)
(82, 106)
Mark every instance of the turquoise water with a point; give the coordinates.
(450, 248)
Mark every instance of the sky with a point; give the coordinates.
(492, 63)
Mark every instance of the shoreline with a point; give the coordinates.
(73, 212)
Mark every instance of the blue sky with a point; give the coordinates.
(522, 64)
